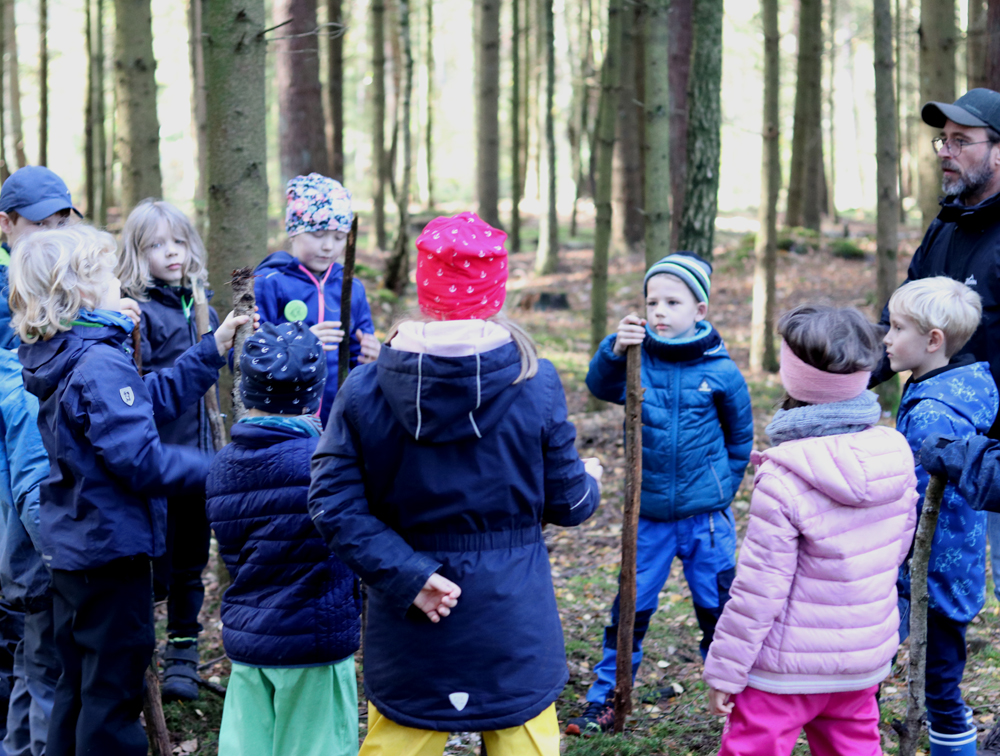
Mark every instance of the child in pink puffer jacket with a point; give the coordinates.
(812, 625)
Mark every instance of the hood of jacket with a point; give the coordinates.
(445, 399)
(841, 467)
(986, 213)
(45, 363)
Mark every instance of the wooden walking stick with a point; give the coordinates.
(630, 527)
(137, 348)
(203, 325)
(243, 303)
(344, 353)
(909, 731)
(152, 708)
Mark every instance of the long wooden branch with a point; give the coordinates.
(243, 304)
(203, 325)
(344, 353)
(152, 708)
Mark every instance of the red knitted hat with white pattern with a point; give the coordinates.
(461, 268)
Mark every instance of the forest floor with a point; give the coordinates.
(585, 559)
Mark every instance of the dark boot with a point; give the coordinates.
(180, 671)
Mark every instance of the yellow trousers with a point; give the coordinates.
(536, 737)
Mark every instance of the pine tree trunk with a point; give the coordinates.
(681, 45)
(14, 83)
(88, 115)
(139, 125)
(547, 254)
(829, 206)
(704, 126)
(4, 168)
(580, 104)
(101, 142)
(657, 105)
(885, 154)
(803, 186)
(628, 223)
(198, 126)
(397, 270)
(234, 45)
(901, 74)
(976, 62)
(993, 45)
(527, 101)
(335, 85)
(43, 82)
(514, 238)
(762, 351)
(301, 129)
(429, 134)
(488, 112)
(938, 39)
(378, 125)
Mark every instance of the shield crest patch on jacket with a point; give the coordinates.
(127, 395)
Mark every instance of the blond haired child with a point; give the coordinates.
(101, 518)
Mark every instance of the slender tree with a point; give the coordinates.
(830, 206)
(657, 105)
(901, 175)
(704, 130)
(488, 111)
(139, 125)
(378, 122)
(4, 168)
(397, 269)
(976, 43)
(429, 129)
(236, 114)
(628, 222)
(762, 352)
(88, 115)
(196, 51)
(807, 138)
(514, 239)
(885, 154)
(102, 146)
(681, 44)
(43, 82)
(14, 83)
(335, 85)
(547, 254)
(938, 40)
(581, 54)
(993, 45)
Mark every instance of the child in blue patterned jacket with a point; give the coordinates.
(930, 321)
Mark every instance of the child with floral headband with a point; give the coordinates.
(305, 283)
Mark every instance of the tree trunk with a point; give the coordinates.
(4, 169)
(628, 223)
(938, 39)
(198, 126)
(236, 113)
(803, 181)
(606, 119)
(580, 104)
(14, 83)
(397, 269)
(301, 130)
(429, 133)
(657, 105)
(901, 74)
(993, 45)
(43, 82)
(139, 125)
(829, 206)
(547, 254)
(335, 86)
(762, 351)
(488, 112)
(378, 125)
(704, 125)
(681, 45)
(88, 114)
(514, 238)
(885, 155)
(527, 102)
(976, 43)
(101, 142)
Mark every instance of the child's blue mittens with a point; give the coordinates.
(932, 455)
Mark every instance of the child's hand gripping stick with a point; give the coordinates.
(631, 331)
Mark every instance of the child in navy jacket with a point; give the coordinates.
(305, 285)
(432, 479)
(696, 439)
(290, 619)
(101, 515)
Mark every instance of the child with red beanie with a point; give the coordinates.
(438, 465)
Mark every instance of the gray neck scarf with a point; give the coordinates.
(850, 416)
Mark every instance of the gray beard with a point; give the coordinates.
(971, 184)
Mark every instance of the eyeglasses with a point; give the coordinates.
(955, 146)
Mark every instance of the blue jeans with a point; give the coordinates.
(706, 545)
(36, 672)
(993, 536)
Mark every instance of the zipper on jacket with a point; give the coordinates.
(711, 528)
(718, 482)
(676, 416)
(319, 288)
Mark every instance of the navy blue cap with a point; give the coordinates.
(977, 107)
(284, 369)
(35, 192)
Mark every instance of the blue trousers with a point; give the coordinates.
(36, 672)
(993, 536)
(706, 545)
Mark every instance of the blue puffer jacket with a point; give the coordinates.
(281, 279)
(443, 464)
(697, 422)
(24, 464)
(292, 603)
(98, 421)
(959, 400)
(166, 334)
(8, 338)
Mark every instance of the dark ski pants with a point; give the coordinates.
(177, 574)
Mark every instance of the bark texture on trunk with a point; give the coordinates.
(807, 138)
(138, 122)
(488, 112)
(938, 40)
(429, 134)
(993, 45)
(335, 86)
(514, 237)
(14, 83)
(657, 105)
(628, 223)
(681, 43)
(397, 268)
(547, 254)
(4, 168)
(198, 125)
(88, 113)
(976, 42)
(378, 122)
(885, 154)
(43, 82)
(704, 125)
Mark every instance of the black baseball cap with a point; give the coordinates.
(977, 107)
(35, 192)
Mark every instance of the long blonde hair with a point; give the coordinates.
(55, 274)
(133, 266)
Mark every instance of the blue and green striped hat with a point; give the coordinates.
(688, 267)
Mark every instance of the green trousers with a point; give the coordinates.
(310, 711)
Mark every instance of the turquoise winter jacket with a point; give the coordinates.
(697, 421)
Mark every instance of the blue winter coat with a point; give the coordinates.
(8, 338)
(24, 464)
(291, 603)
(959, 400)
(102, 499)
(281, 279)
(697, 422)
(434, 464)
(166, 334)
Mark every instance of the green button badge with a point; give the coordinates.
(296, 310)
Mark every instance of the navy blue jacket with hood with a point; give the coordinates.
(444, 464)
(291, 603)
(108, 469)
(697, 422)
(166, 334)
(282, 279)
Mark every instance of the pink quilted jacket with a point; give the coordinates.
(813, 606)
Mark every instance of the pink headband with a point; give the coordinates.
(809, 384)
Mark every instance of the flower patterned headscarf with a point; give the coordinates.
(317, 203)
